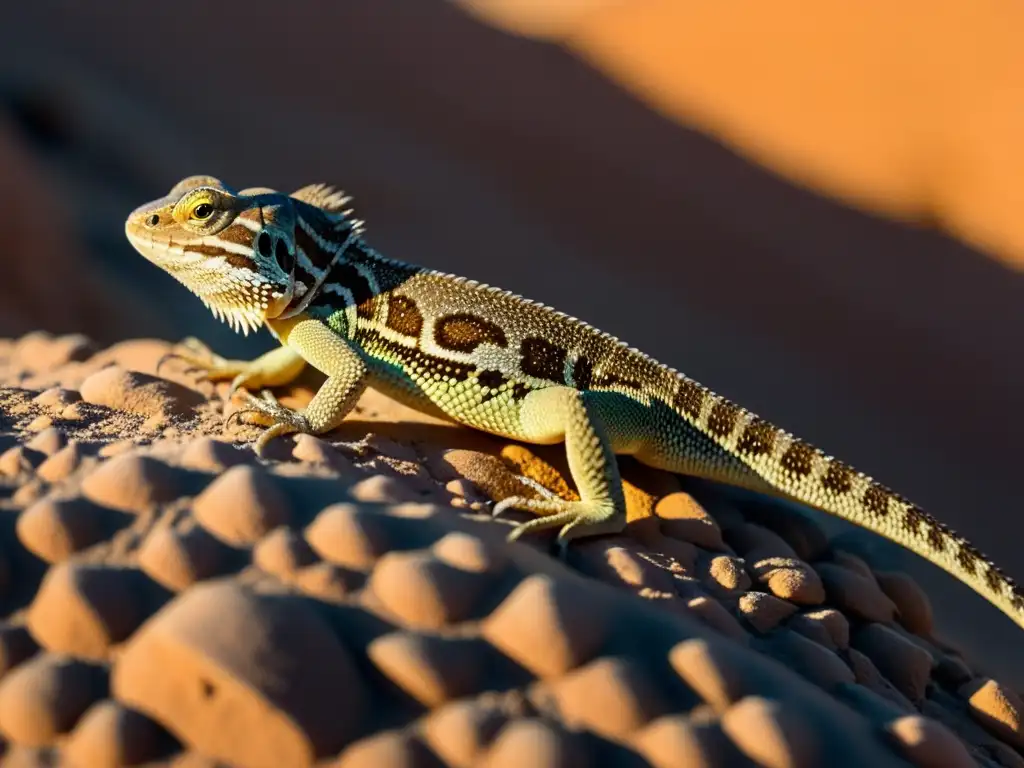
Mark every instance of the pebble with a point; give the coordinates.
(612, 697)
(425, 592)
(431, 669)
(110, 735)
(548, 626)
(713, 670)
(393, 749)
(763, 611)
(819, 665)
(855, 594)
(771, 735)
(536, 743)
(208, 455)
(928, 744)
(728, 573)
(904, 664)
(16, 645)
(682, 517)
(381, 489)
(44, 698)
(242, 505)
(469, 553)
(674, 741)
(718, 617)
(115, 387)
(867, 675)
(54, 529)
(61, 464)
(997, 708)
(48, 442)
(178, 559)
(84, 609)
(915, 609)
(461, 732)
(282, 552)
(347, 535)
(133, 483)
(247, 679)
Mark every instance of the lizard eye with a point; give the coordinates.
(202, 211)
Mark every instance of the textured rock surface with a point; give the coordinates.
(169, 598)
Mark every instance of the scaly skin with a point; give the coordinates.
(491, 360)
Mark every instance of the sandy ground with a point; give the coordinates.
(170, 599)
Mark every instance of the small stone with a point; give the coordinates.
(18, 460)
(393, 749)
(39, 424)
(547, 626)
(241, 506)
(48, 442)
(208, 455)
(461, 731)
(819, 665)
(61, 464)
(313, 450)
(462, 488)
(535, 743)
(997, 708)
(327, 581)
(915, 610)
(770, 735)
(140, 393)
(905, 664)
(133, 483)
(54, 529)
(56, 397)
(835, 623)
(682, 517)
(381, 489)
(711, 670)
(348, 535)
(431, 669)
(612, 697)
(46, 696)
(83, 609)
(755, 542)
(854, 563)
(282, 552)
(856, 594)
(717, 616)
(868, 676)
(178, 559)
(790, 579)
(469, 553)
(728, 573)
(423, 591)
(764, 612)
(244, 678)
(674, 741)
(110, 735)
(928, 744)
(812, 630)
(72, 412)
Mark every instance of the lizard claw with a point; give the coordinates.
(279, 420)
(576, 518)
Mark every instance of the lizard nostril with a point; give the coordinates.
(153, 220)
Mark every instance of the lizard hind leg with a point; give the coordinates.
(580, 419)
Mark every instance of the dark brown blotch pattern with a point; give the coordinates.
(404, 316)
(798, 459)
(876, 501)
(612, 380)
(689, 398)
(722, 419)
(419, 364)
(492, 381)
(355, 282)
(464, 332)
(967, 557)
(542, 359)
(757, 439)
(838, 477)
(583, 373)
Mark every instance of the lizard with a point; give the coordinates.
(299, 264)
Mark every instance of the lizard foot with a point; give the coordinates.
(267, 411)
(213, 367)
(576, 518)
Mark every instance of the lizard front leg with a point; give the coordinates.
(275, 368)
(581, 420)
(346, 373)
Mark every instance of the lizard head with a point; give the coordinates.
(234, 250)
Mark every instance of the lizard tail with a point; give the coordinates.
(797, 470)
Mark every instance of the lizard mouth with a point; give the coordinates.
(236, 295)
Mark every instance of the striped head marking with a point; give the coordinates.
(234, 250)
